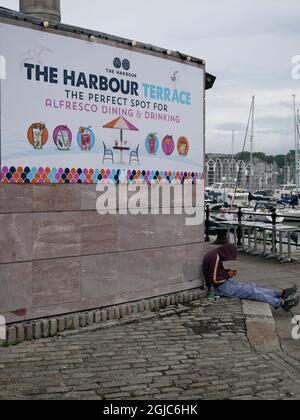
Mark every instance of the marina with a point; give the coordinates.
(262, 222)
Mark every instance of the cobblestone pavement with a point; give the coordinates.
(200, 351)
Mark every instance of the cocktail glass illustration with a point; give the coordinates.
(183, 146)
(85, 139)
(168, 142)
(183, 149)
(38, 136)
(63, 141)
(152, 143)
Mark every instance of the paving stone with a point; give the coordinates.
(53, 327)
(180, 298)
(20, 333)
(262, 334)
(251, 308)
(156, 303)
(28, 331)
(117, 396)
(97, 317)
(159, 358)
(152, 304)
(37, 330)
(111, 314)
(76, 322)
(70, 322)
(141, 306)
(61, 324)
(146, 306)
(45, 328)
(82, 320)
(104, 315)
(89, 318)
(11, 337)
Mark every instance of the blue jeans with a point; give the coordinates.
(232, 289)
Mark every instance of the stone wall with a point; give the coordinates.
(58, 256)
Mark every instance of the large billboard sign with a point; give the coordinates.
(76, 111)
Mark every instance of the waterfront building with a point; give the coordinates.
(230, 170)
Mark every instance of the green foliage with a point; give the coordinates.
(281, 160)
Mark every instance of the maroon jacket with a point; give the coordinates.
(213, 268)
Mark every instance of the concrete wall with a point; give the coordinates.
(57, 255)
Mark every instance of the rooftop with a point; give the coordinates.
(14, 15)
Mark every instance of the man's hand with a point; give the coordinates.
(232, 273)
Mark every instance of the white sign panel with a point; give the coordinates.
(75, 111)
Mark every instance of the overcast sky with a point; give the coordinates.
(248, 45)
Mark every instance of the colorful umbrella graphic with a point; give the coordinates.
(121, 124)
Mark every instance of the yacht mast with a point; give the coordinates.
(298, 125)
(252, 138)
(296, 146)
(251, 112)
(232, 157)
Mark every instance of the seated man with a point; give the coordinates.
(224, 284)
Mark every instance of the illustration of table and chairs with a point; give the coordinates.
(120, 146)
(108, 154)
(121, 149)
(134, 156)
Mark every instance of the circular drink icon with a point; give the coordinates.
(168, 145)
(85, 139)
(152, 143)
(62, 137)
(37, 135)
(183, 146)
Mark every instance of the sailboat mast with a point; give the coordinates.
(296, 147)
(252, 139)
(298, 125)
(232, 157)
(285, 170)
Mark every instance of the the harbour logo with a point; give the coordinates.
(296, 67)
(2, 328)
(296, 328)
(118, 63)
(2, 68)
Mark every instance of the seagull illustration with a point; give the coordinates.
(35, 55)
(174, 77)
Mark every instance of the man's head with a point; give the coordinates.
(228, 252)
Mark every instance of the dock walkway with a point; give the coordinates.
(197, 351)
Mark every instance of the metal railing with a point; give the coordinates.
(246, 234)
